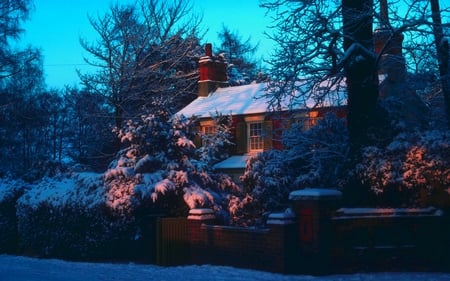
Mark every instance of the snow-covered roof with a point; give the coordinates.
(246, 99)
(231, 100)
(233, 162)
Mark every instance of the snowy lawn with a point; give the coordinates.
(16, 268)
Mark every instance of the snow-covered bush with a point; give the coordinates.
(410, 171)
(267, 180)
(161, 169)
(318, 155)
(216, 147)
(70, 218)
(310, 158)
(10, 191)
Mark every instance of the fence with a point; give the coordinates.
(173, 247)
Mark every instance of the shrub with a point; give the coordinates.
(311, 158)
(71, 218)
(10, 191)
(160, 169)
(410, 171)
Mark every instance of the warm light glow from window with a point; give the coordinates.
(313, 114)
(209, 130)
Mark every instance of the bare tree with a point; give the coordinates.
(146, 57)
(331, 40)
(27, 113)
(443, 54)
(90, 137)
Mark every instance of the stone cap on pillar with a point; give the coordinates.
(287, 217)
(315, 194)
(201, 214)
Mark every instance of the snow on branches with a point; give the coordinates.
(313, 157)
(160, 161)
(413, 166)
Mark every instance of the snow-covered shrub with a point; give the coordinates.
(411, 170)
(311, 158)
(216, 147)
(161, 170)
(317, 156)
(10, 191)
(267, 180)
(70, 218)
(245, 211)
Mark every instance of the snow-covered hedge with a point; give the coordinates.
(71, 218)
(10, 191)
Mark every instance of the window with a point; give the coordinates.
(207, 132)
(307, 120)
(255, 139)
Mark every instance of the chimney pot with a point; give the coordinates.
(208, 49)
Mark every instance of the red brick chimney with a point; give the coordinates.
(213, 72)
(388, 45)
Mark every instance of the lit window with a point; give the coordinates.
(307, 120)
(255, 139)
(209, 130)
(207, 133)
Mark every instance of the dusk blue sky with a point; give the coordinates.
(55, 27)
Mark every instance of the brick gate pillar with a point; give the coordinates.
(197, 235)
(314, 208)
(282, 242)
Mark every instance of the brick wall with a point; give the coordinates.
(270, 248)
(378, 236)
(319, 237)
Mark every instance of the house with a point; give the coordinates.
(256, 127)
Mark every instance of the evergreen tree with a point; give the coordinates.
(12, 13)
(239, 54)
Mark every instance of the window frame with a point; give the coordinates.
(255, 142)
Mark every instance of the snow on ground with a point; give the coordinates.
(17, 268)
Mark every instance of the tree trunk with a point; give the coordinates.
(442, 50)
(360, 70)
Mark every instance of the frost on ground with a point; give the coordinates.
(15, 268)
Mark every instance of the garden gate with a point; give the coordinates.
(172, 241)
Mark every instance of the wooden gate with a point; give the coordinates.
(172, 242)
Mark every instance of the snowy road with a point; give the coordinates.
(13, 268)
